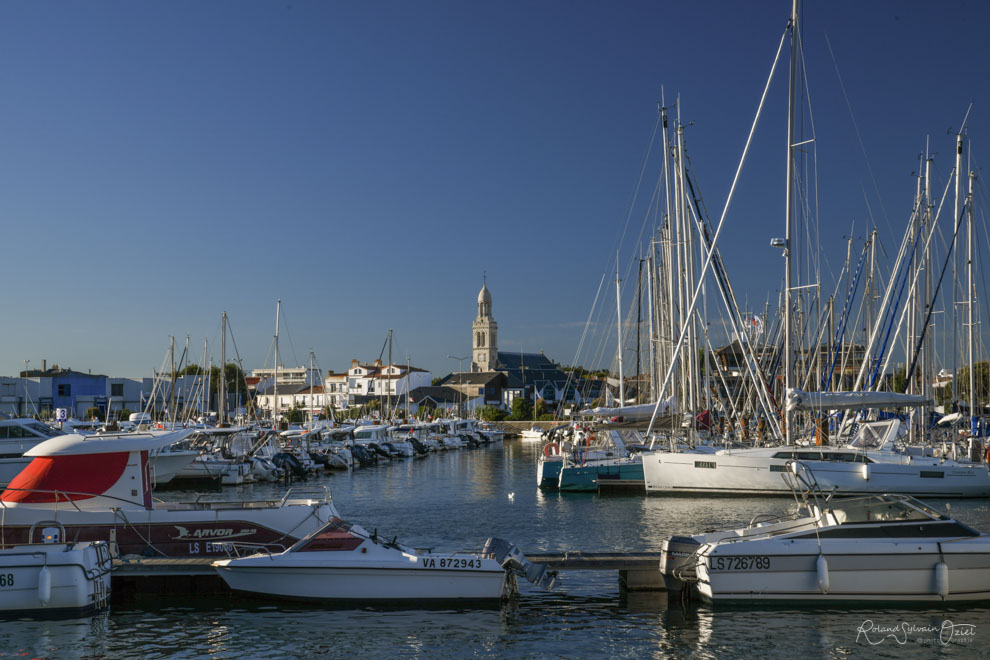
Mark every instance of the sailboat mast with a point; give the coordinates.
(388, 379)
(204, 397)
(278, 312)
(223, 369)
(171, 352)
(969, 313)
(789, 220)
(618, 316)
(955, 280)
(652, 328)
(639, 325)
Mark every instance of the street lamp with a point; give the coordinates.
(460, 382)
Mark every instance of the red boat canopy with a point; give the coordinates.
(66, 478)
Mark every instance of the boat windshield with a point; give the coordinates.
(883, 508)
(43, 430)
(876, 435)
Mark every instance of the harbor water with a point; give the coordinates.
(455, 501)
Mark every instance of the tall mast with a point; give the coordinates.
(204, 397)
(222, 386)
(618, 316)
(171, 352)
(309, 377)
(652, 328)
(668, 256)
(955, 281)
(969, 313)
(789, 220)
(639, 325)
(388, 381)
(278, 311)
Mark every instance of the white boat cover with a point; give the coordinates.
(798, 400)
(73, 443)
(632, 413)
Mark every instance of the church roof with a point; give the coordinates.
(438, 394)
(471, 378)
(516, 360)
(484, 295)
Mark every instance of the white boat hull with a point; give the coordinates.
(857, 570)
(381, 582)
(55, 578)
(167, 464)
(738, 473)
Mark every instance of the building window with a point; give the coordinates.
(65, 390)
(116, 389)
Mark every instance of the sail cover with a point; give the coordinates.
(632, 413)
(798, 400)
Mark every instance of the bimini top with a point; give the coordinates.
(75, 444)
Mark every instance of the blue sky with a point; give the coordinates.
(367, 162)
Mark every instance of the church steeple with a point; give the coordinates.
(485, 331)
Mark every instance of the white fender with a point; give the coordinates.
(942, 579)
(821, 567)
(864, 470)
(44, 586)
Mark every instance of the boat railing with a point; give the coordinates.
(63, 496)
(766, 518)
(61, 529)
(323, 490)
(803, 484)
(236, 550)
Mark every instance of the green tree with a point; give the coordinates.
(522, 409)
(295, 415)
(981, 383)
(899, 379)
(233, 377)
(491, 414)
(540, 408)
(93, 413)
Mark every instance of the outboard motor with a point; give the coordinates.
(362, 456)
(513, 560)
(678, 561)
(418, 446)
(378, 450)
(290, 463)
(320, 459)
(265, 469)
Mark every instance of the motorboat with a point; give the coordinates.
(55, 578)
(889, 548)
(20, 434)
(99, 488)
(343, 562)
(17, 435)
(534, 434)
(869, 464)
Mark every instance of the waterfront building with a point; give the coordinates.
(497, 377)
(311, 399)
(436, 400)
